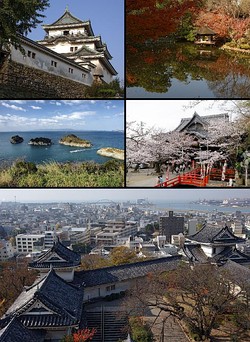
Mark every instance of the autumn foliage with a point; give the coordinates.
(151, 20)
(82, 335)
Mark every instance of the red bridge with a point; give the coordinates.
(196, 178)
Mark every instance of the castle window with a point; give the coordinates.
(83, 75)
(29, 53)
(65, 33)
(53, 63)
(71, 48)
(76, 48)
(71, 70)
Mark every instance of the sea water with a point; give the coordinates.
(57, 152)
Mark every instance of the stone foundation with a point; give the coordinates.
(18, 81)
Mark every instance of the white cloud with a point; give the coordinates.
(34, 107)
(18, 101)
(74, 115)
(40, 101)
(55, 103)
(13, 107)
(72, 102)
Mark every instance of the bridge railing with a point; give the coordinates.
(192, 178)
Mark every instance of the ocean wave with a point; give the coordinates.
(74, 151)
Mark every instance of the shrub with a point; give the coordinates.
(140, 332)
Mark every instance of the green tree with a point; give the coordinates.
(122, 255)
(18, 17)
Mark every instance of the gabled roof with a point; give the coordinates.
(56, 257)
(204, 120)
(66, 18)
(232, 254)
(49, 302)
(113, 274)
(15, 331)
(215, 235)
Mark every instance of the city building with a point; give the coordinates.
(171, 225)
(7, 250)
(26, 243)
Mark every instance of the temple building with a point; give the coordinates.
(198, 125)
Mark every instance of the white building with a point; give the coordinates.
(25, 242)
(7, 251)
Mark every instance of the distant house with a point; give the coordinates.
(205, 36)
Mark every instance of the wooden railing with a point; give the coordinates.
(192, 178)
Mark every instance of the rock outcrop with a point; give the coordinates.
(16, 139)
(73, 140)
(111, 152)
(40, 142)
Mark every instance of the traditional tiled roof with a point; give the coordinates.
(67, 18)
(233, 254)
(195, 253)
(49, 302)
(15, 331)
(215, 235)
(114, 274)
(203, 120)
(57, 256)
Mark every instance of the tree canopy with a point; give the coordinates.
(18, 17)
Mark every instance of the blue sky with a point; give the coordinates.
(36, 115)
(79, 195)
(107, 20)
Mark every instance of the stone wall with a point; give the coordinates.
(19, 81)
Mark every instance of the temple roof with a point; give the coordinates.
(57, 256)
(15, 331)
(114, 274)
(215, 235)
(204, 120)
(49, 302)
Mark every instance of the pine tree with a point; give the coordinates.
(18, 17)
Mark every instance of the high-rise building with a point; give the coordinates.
(171, 225)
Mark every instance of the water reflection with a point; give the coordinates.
(184, 70)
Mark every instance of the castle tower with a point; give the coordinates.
(75, 39)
